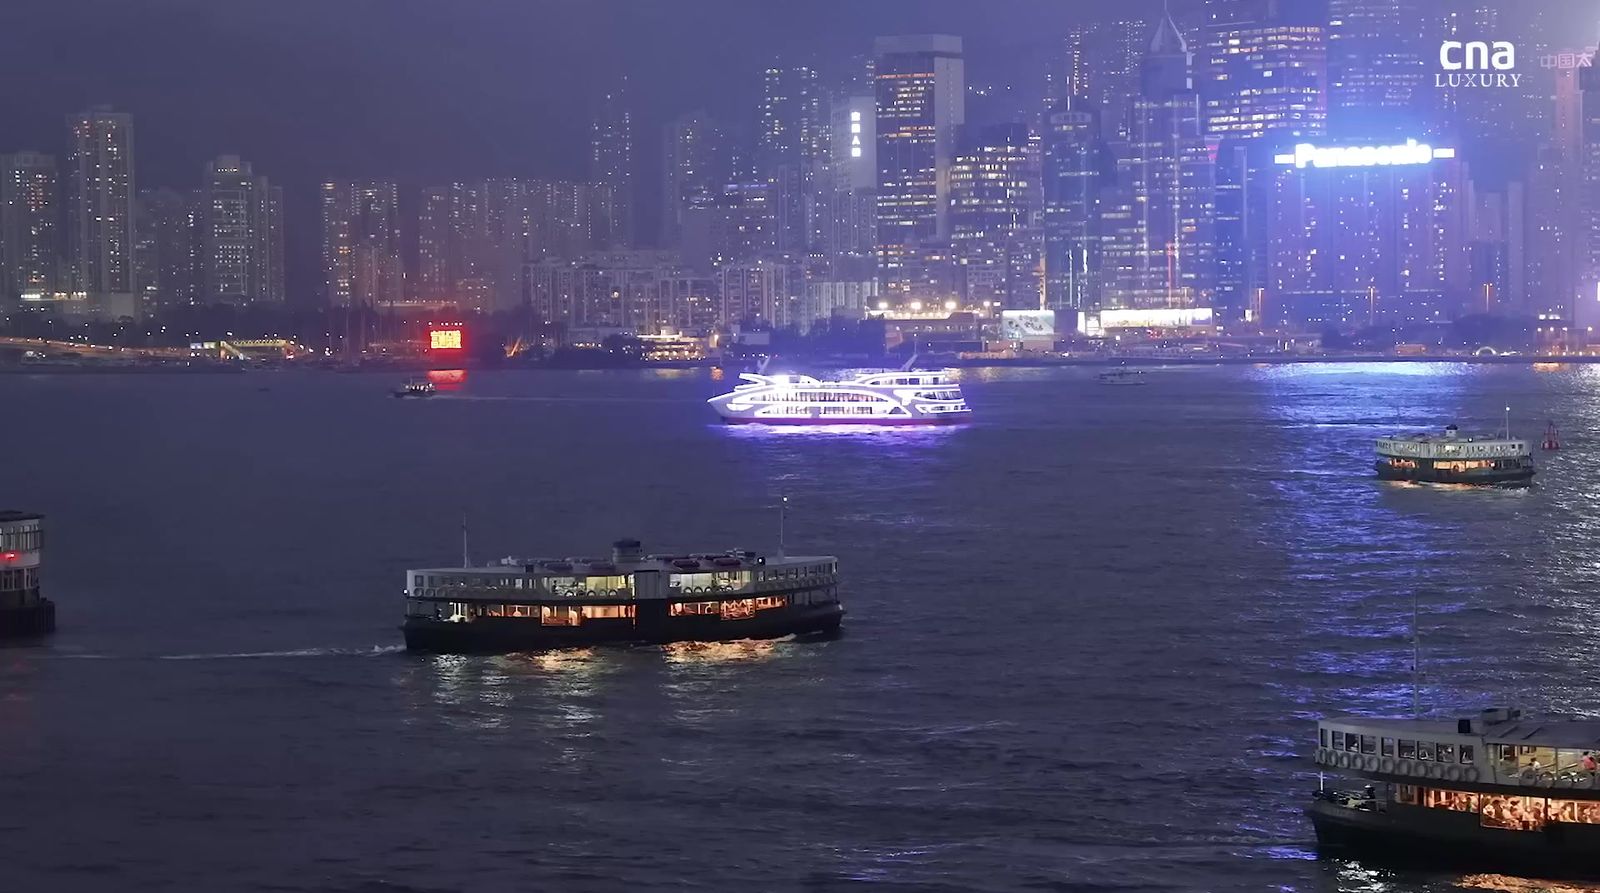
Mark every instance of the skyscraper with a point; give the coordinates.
(849, 180)
(1073, 153)
(1377, 76)
(100, 198)
(994, 195)
(921, 95)
(30, 227)
(611, 166)
(1102, 65)
(1163, 253)
(696, 167)
(1263, 85)
(361, 244)
(789, 147)
(243, 240)
(169, 257)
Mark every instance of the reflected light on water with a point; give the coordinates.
(1508, 884)
(721, 652)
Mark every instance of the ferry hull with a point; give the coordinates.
(1488, 477)
(906, 421)
(652, 626)
(1419, 836)
(37, 619)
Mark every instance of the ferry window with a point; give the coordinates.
(1408, 749)
(1322, 737)
(1386, 747)
(1508, 752)
(607, 612)
(1369, 744)
(1466, 753)
(1338, 741)
(1447, 753)
(1405, 793)
(1581, 812)
(1424, 750)
(1352, 742)
(738, 609)
(1460, 801)
(1514, 813)
(560, 615)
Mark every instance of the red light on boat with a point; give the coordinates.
(9, 556)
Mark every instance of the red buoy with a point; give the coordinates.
(1552, 440)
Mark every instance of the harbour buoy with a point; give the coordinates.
(1552, 439)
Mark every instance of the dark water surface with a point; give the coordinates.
(1088, 633)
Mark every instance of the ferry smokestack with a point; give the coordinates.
(626, 551)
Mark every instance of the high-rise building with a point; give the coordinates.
(1377, 70)
(30, 228)
(361, 244)
(1161, 258)
(847, 184)
(1263, 86)
(789, 147)
(243, 240)
(1589, 201)
(1102, 65)
(994, 194)
(921, 95)
(611, 166)
(1260, 76)
(696, 166)
(170, 230)
(100, 198)
(1375, 236)
(1074, 155)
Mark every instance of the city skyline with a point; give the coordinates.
(783, 190)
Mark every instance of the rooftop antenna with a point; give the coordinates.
(465, 561)
(1508, 423)
(762, 368)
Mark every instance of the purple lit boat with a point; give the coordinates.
(860, 397)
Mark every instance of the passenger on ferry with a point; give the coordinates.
(1589, 764)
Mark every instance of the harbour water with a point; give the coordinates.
(1088, 632)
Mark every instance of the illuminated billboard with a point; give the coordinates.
(444, 339)
(1410, 152)
(1028, 325)
(1156, 318)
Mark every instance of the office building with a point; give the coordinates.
(789, 147)
(1101, 65)
(1372, 236)
(1074, 164)
(921, 94)
(994, 194)
(1160, 258)
(1379, 84)
(697, 163)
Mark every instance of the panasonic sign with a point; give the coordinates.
(1411, 152)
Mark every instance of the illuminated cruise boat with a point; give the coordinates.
(1496, 790)
(629, 598)
(869, 397)
(23, 611)
(1454, 458)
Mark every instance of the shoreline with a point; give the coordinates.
(822, 363)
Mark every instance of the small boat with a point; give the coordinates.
(1122, 377)
(416, 387)
(1494, 790)
(1454, 458)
